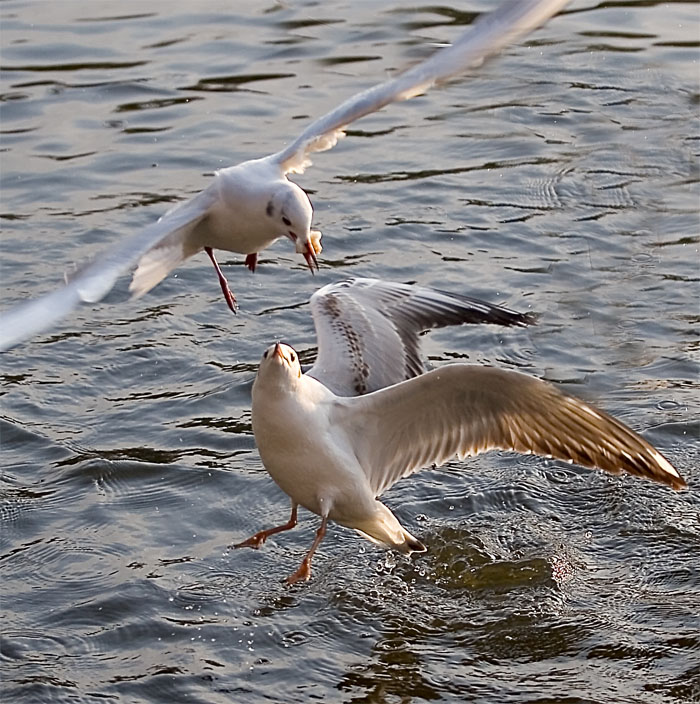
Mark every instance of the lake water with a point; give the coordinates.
(559, 178)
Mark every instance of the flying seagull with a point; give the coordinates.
(334, 452)
(249, 206)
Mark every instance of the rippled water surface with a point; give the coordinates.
(560, 178)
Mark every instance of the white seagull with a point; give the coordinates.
(334, 452)
(249, 206)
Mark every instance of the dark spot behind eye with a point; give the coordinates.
(270, 209)
(286, 221)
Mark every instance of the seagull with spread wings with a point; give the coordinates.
(365, 415)
(249, 206)
(368, 330)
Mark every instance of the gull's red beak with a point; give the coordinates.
(308, 247)
(311, 260)
(278, 351)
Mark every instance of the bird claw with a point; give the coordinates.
(230, 298)
(255, 541)
(303, 574)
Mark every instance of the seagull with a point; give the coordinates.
(248, 206)
(335, 438)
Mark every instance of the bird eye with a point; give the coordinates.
(286, 221)
(293, 357)
(265, 354)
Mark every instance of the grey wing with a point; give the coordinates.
(488, 35)
(368, 330)
(94, 280)
(463, 409)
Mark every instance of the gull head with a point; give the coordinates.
(291, 212)
(279, 366)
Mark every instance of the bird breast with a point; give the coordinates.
(237, 221)
(309, 460)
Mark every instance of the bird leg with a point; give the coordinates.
(251, 261)
(228, 294)
(304, 571)
(255, 541)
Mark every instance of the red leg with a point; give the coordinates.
(304, 571)
(228, 294)
(255, 541)
(251, 261)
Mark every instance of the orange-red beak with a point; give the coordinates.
(311, 260)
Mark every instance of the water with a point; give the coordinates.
(560, 178)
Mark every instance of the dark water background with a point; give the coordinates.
(560, 178)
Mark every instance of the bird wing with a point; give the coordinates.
(368, 330)
(486, 36)
(464, 410)
(94, 280)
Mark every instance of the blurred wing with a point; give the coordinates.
(93, 281)
(488, 35)
(464, 410)
(368, 330)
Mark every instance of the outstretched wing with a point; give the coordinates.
(93, 281)
(368, 330)
(463, 409)
(488, 35)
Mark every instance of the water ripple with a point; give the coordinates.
(129, 466)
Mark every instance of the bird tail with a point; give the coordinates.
(384, 528)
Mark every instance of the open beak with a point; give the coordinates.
(311, 260)
(310, 248)
(307, 248)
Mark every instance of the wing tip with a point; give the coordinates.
(529, 318)
(665, 472)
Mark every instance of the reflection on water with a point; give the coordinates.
(559, 179)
